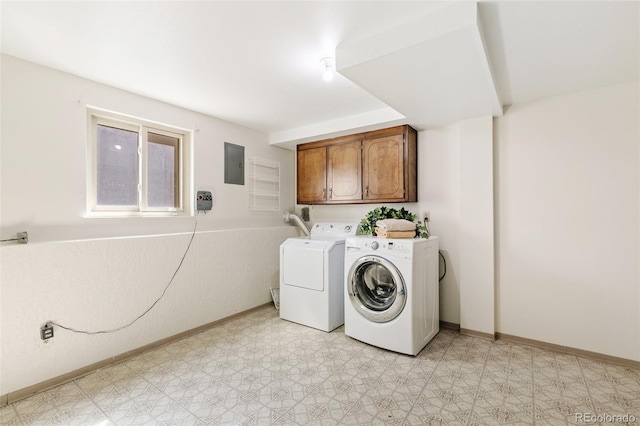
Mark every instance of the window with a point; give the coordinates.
(136, 168)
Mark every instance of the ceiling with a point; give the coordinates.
(257, 63)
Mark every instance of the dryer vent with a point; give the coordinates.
(289, 217)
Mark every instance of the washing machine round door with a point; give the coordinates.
(376, 289)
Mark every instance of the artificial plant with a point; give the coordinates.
(368, 224)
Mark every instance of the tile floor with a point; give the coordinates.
(260, 370)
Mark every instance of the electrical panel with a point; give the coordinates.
(204, 200)
(233, 164)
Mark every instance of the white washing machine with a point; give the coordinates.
(312, 276)
(392, 292)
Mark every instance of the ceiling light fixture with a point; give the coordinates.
(327, 66)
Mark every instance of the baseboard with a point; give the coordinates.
(12, 397)
(570, 351)
(544, 345)
(449, 326)
(474, 333)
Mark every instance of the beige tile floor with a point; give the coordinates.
(260, 370)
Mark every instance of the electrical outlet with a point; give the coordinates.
(46, 335)
(46, 332)
(305, 214)
(427, 216)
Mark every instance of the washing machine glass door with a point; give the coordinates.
(376, 288)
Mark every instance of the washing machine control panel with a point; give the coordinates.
(382, 245)
(398, 247)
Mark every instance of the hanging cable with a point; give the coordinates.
(113, 330)
(444, 261)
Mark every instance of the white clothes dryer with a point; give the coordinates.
(392, 292)
(312, 276)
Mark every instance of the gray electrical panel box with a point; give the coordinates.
(233, 164)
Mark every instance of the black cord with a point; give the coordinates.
(426, 226)
(113, 330)
(12, 239)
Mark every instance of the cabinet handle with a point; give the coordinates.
(324, 192)
(330, 193)
(366, 191)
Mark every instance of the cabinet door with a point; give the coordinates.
(312, 175)
(383, 168)
(344, 174)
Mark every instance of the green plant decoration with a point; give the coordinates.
(368, 224)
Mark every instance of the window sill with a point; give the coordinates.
(117, 215)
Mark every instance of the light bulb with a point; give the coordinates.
(327, 74)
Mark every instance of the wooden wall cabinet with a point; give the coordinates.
(344, 171)
(372, 167)
(312, 175)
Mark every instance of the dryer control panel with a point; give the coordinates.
(330, 229)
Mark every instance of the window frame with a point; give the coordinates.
(184, 189)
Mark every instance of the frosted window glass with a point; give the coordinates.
(117, 173)
(162, 170)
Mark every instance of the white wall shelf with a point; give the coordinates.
(264, 185)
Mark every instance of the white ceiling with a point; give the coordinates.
(258, 63)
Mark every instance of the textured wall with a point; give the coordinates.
(103, 284)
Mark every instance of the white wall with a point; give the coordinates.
(101, 283)
(567, 188)
(44, 150)
(476, 257)
(439, 194)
